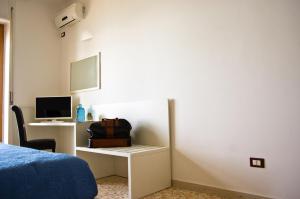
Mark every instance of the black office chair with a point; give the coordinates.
(40, 144)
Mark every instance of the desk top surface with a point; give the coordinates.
(124, 151)
(52, 124)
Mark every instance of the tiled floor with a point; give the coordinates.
(115, 187)
(112, 187)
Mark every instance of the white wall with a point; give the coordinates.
(4, 9)
(232, 68)
(36, 53)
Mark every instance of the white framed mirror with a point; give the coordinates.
(85, 74)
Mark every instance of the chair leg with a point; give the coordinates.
(53, 150)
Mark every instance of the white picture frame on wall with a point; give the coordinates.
(85, 74)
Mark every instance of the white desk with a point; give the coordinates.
(52, 124)
(135, 162)
(65, 137)
(146, 164)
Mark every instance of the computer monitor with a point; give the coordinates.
(53, 108)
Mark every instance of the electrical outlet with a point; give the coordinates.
(257, 162)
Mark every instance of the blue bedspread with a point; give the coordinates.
(31, 174)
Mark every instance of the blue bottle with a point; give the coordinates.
(80, 116)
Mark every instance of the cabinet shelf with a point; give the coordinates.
(124, 151)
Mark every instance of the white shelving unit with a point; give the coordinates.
(146, 164)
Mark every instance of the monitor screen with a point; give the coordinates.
(53, 107)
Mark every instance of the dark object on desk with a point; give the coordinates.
(40, 144)
(110, 128)
(109, 142)
(110, 133)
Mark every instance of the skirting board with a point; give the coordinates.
(213, 190)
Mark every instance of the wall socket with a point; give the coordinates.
(257, 162)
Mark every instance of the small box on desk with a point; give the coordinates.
(109, 142)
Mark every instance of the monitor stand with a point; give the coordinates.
(52, 121)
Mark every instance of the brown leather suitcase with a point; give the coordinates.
(109, 142)
(109, 133)
(110, 128)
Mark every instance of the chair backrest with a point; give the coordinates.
(21, 124)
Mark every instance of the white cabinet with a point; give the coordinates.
(146, 164)
(148, 167)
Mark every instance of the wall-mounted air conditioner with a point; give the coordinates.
(69, 15)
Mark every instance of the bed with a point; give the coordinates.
(28, 173)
